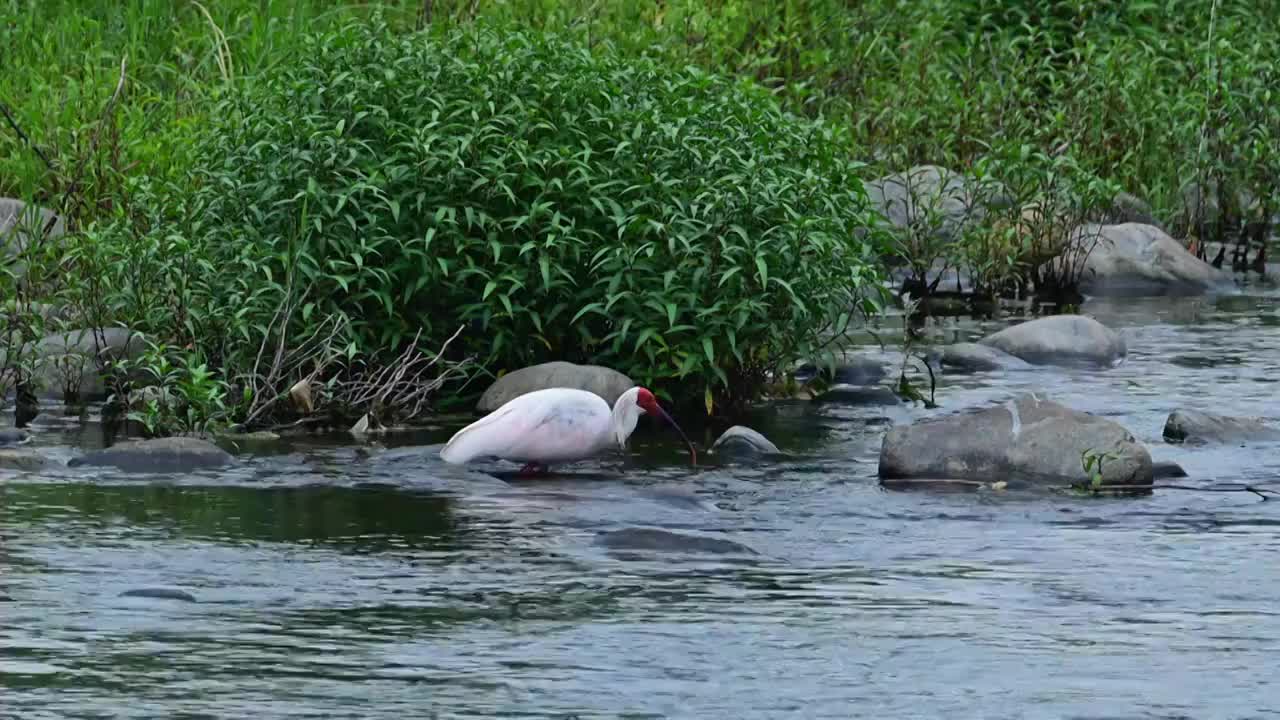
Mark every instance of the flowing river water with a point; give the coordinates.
(344, 579)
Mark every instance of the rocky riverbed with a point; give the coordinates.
(313, 573)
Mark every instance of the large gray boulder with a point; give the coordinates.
(1061, 340)
(1027, 440)
(161, 455)
(70, 362)
(740, 441)
(934, 198)
(19, 222)
(973, 357)
(1127, 208)
(1194, 426)
(1135, 259)
(13, 437)
(602, 381)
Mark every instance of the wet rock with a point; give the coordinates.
(875, 395)
(602, 381)
(23, 460)
(972, 357)
(1061, 340)
(742, 442)
(1134, 259)
(161, 455)
(13, 437)
(667, 541)
(1027, 439)
(928, 193)
(1166, 470)
(160, 594)
(1194, 426)
(852, 370)
(71, 360)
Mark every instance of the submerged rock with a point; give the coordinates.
(160, 594)
(161, 455)
(972, 357)
(1134, 259)
(1061, 340)
(741, 441)
(1195, 426)
(1028, 439)
(23, 460)
(852, 370)
(602, 381)
(877, 395)
(667, 541)
(71, 360)
(13, 437)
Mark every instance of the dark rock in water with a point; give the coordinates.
(741, 441)
(602, 381)
(1133, 260)
(1194, 426)
(1028, 439)
(1061, 340)
(972, 357)
(860, 395)
(173, 455)
(853, 370)
(160, 594)
(13, 437)
(23, 460)
(668, 541)
(1166, 470)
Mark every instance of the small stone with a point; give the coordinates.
(160, 594)
(657, 540)
(742, 441)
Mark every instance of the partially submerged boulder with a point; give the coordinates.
(161, 455)
(13, 437)
(740, 441)
(1135, 259)
(1029, 440)
(928, 195)
(1061, 340)
(1198, 427)
(851, 370)
(972, 357)
(603, 381)
(23, 460)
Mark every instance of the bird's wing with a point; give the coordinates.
(495, 431)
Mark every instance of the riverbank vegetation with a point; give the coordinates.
(379, 199)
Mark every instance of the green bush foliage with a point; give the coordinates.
(560, 203)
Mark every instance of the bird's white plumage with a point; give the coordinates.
(547, 426)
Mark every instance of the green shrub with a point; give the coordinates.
(562, 204)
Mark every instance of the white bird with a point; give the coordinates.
(555, 425)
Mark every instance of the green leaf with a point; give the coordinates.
(763, 267)
(489, 287)
(709, 350)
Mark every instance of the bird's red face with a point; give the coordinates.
(649, 404)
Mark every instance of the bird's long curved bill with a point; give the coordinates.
(693, 455)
